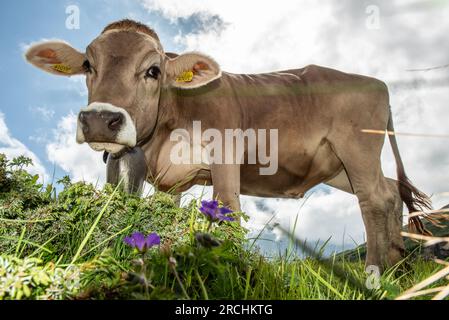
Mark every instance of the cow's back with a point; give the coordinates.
(309, 94)
(306, 106)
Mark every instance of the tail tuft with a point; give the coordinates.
(416, 226)
(415, 200)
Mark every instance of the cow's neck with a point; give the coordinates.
(178, 109)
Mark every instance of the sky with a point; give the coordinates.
(386, 39)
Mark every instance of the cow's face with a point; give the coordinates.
(125, 71)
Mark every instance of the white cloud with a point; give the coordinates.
(12, 148)
(80, 161)
(319, 216)
(267, 35)
(43, 112)
(255, 38)
(293, 33)
(177, 9)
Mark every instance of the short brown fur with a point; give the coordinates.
(130, 25)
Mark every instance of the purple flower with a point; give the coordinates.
(139, 241)
(213, 212)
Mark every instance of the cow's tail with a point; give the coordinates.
(415, 200)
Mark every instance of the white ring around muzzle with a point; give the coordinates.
(127, 135)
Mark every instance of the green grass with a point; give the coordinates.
(70, 246)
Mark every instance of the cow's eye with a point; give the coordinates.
(87, 67)
(153, 72)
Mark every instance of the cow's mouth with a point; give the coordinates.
(107, 146)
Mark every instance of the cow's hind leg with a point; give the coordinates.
(395, 222)
(379, 201)
(387, 213)
(380, 204)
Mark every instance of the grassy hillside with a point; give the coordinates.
(71, 245)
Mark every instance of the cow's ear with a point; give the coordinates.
(56, 57)
(191, 70)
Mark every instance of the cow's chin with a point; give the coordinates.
(106, 146)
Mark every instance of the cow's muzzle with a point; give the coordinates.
(101, 126)
(106, 127)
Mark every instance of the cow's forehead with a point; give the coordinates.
(121, 42)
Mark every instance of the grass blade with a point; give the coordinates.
(92, 228)
(22, 234)
(324, 282)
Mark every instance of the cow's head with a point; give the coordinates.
(126, 69)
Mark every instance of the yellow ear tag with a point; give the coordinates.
(62, 68)
(186, 76)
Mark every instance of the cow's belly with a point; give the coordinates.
(298, 172)
(283, 184)
(182, 178)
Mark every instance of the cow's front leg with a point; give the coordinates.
(129, 169)
(226, 183)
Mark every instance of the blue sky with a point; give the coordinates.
(379, 38)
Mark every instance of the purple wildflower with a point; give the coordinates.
(139, 241)
(213, 212)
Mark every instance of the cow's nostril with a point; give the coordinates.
(82, 116)
(83, 120)
(115, 122)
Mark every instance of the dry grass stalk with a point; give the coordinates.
(430, 241)
(394, 133)
(419, 289)
(442, 292)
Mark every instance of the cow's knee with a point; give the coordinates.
(377, 204)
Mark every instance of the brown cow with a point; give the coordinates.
(138, 96)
